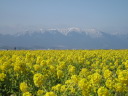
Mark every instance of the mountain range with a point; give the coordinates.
(72, 38)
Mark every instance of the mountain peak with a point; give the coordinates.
(68, 38)
(94, 33)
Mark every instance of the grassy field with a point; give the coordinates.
(64, 73)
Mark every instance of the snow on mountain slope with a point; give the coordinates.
(68, 38)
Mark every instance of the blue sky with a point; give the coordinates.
(105, 15)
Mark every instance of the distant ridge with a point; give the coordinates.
(71, 38)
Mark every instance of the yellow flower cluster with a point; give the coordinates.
(38, 79)
(23, 87)
(40, 92)
(64, 73)
(27, 94)
(102, 91)
(2, 76)
(50, 94)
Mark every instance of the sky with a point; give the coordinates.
(105, 15)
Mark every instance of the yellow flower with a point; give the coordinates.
(63, 88)
(96, 78)
(109, 83)
(83, 84)
(119, 87)
(38, 60)
(27, 94)
(68, 82)
(61, 66)
(126, 64)
(74, 79)
(123, 76)
(49, 61)
(5, 66)
(59, 74)
(2, 76)
(57, 87)
(52, 69)
(38, 79)
(107, 73)
(43, 63)
(36, 67)
(50, 94)
(72, 89)
(71, 69)
(19, 66)
(84, 72)
(24, 87)
(40, 92)
(102, 91)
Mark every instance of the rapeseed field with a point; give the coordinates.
(64, 73)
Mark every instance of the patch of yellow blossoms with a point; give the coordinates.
(64, 73)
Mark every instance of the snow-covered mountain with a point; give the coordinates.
(70, 38)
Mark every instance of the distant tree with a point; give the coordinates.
(14, 48)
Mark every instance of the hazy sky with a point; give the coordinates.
(104, 15)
